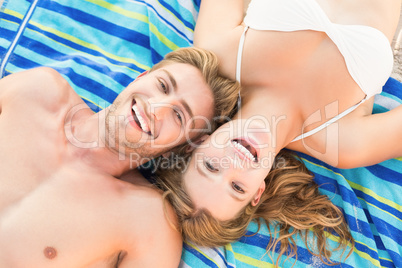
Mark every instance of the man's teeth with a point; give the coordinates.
(243, 150)
(143, 124)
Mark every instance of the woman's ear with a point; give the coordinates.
(258, 195)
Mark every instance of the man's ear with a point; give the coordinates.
(141, 75)
(194, 144)
(258, 195)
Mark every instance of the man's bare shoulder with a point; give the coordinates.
(40, 85)
(150, 198)
(158, 224)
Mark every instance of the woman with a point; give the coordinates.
(309, 70)
(305, 64)
(226, 185)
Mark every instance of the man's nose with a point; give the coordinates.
(159, 107)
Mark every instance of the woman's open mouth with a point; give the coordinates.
(246, 149)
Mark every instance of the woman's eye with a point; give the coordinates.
(237, 188)
(210, 167)
(178, 115)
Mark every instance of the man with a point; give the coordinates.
(60, 202)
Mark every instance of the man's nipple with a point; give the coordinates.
(50, 252)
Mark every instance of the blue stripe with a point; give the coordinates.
(201, 257)
(89, 84)
(183, 35)
(123, 33)
(260, 240)
(85, 49)
(386, 174)
(396, 258)
(388, 230)
(221, 256)
(177, 15)
(79, 80)
(371, 200)
(92, 106)
(40, 48)
(386, 263)
(393, 87)
(14, 41)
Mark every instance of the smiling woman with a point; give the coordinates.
(233, 179)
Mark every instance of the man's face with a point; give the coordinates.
(159, 111)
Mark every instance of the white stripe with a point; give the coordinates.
(20, 30)
(386, 102)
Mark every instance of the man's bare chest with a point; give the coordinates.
(62, 215)
(29, 156)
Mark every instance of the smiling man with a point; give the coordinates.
(61, 204)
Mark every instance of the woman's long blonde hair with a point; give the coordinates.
(291, 202)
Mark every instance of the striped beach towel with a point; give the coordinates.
(101, 46)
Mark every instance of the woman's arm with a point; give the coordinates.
(216, 18)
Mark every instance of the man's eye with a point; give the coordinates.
(164, 87)
(210, 167)
(237, 188)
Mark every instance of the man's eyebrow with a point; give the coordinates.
(183, 102)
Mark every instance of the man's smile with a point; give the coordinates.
(140, 118)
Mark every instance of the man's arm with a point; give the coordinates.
(43, 85)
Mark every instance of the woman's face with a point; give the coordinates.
(228, 169)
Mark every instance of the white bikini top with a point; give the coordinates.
(366, 50)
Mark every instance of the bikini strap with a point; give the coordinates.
(329, 122)
(240, 53)
(238, 63)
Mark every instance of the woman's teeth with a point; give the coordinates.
(244, 150)
(143, 123)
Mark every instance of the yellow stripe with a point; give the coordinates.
(130, 14)
(387, 212)
(252, 261)
(202, 253)
(358, 252)
(361, 188)
(399, 158)
(13, 13)
(91, 102)
(119, 10)
(163, 38)
(86, 44)
(177, 19)
(80, 42)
